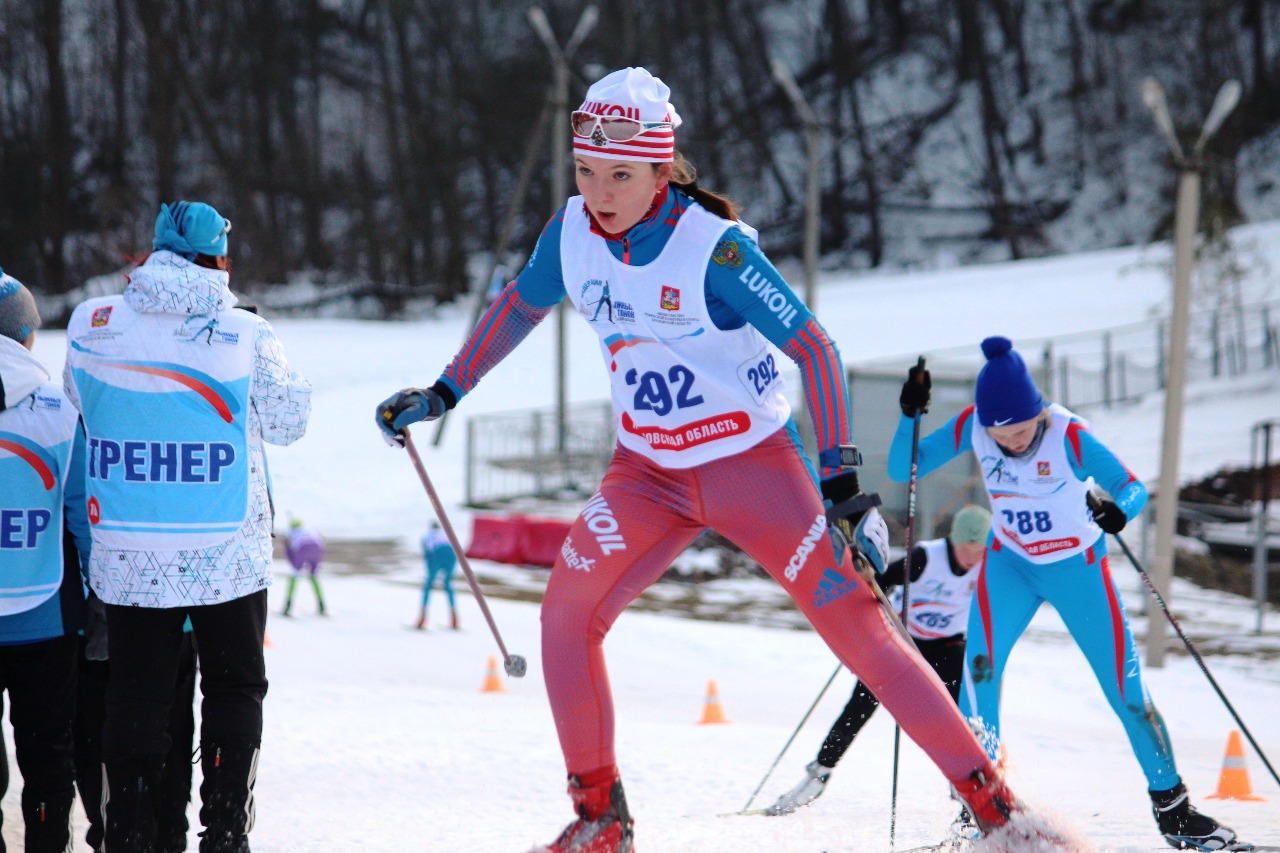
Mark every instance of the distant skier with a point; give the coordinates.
(1037, 462)
(705, 440)
(942, 582)
(438, 554)
(305, 550)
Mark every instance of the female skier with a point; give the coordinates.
(686, 307)
(1047, 544)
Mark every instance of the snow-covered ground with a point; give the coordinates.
(378, 737)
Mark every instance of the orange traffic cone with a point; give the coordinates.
(492, 684)
(1233, 783)
(711, 710)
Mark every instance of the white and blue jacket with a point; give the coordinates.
(178, 390)
(42, 471)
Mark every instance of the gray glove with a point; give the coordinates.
(95, 629)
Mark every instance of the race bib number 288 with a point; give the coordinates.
(1028, 522)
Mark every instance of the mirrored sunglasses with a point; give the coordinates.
(604, 129)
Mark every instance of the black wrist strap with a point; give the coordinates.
(446, 394)
(859, 503)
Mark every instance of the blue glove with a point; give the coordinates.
(407, 406)
(855, 515)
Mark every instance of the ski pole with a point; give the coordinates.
(906, 595)
(1155, 593)
(515, 665)
(787, 745)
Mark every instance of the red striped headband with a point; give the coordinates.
(627, 116)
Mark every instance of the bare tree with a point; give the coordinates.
(156, 19)
(382, 139)
(57, 141)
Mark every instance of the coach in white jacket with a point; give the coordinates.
(178, 390)
(44, 539)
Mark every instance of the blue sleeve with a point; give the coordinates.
(1091, 458)
(75, 508)
(541, 282)
(513, 315)
(936, 449)
(743, 286)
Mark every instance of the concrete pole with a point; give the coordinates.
(1260, 552)
(559, 162)
(1185, 218)
(812, 212)
(559, 154)
(812, 199)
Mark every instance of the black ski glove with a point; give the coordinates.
(1108, 515)
(854, 514)
(408, 406)
(915, 392)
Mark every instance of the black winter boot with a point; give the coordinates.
(1183, 827)
(226, 794)
(129, 809)
(48, 820)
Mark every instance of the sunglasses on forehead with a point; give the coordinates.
(604, 129)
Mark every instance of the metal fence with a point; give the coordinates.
(1125, 363)
(1128, 363)
(874, 400)
(517, 455)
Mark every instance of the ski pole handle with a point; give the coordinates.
(908, 543)
(912, 481)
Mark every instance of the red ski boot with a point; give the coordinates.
(604, 825)
(988, 798)
(1006, 825)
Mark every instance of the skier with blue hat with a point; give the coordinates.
(1048, 543)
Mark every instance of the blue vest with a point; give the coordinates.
(36, 439)
(165, 400)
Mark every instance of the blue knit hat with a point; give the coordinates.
(19, 316)
(1006, 392)
(191, 228)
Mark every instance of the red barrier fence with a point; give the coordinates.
(522, 540)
